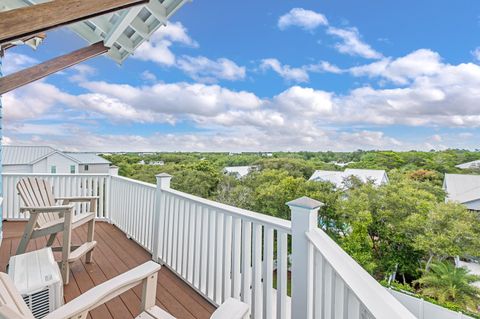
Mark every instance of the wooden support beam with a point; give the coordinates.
(24, 40)
(27, 21)
(21, 78)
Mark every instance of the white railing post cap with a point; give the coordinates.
(306, 203)
(163, 175)
(163, 180)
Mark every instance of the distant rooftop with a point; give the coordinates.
(26, 155)
(462, 188)
(472, 164)
(240, 171)
(87, 158)
(378, 177)
(18, 155)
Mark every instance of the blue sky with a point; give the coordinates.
(266, 76)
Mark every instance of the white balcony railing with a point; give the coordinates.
(223, 251)
(63, 185)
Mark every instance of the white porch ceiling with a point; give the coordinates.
(122, 31)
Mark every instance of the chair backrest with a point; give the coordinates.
(12, 305)
(37, 192)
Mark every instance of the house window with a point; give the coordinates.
(86, 167)
(53, 169)
(72, 169)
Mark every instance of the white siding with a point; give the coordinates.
(61, 163)
(17, 168)
(94, 168)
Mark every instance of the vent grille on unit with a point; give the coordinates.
(38, 303)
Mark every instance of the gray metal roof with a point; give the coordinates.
(87, 158)
(122, 31)
(336, 177)
(26, 155)
(22, 155)
(462, 188)
(472, 164)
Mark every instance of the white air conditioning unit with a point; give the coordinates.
(38, 279)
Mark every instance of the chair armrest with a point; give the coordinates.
(77, 199)
(106, 291)
(48, 209)
(231, 309)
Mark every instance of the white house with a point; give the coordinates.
(45, 159)
(379, 177)
(469, 165)
(239, 171)
(464, 189)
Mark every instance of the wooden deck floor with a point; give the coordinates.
(114, 255)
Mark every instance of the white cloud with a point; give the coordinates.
(285, 71)
(148, 76)
(34, 100)
(324, 66)
(13, 62)
(205, 70)
(158, 48)
(476, 53)
(199, 68)
(165, 102)
(304, 102)
(82, 72)
(436, 138)
(305, 19)
(432, 93)
(298, 74)
(351, 43)
(422, 62)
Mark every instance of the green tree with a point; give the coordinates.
(447, 230)
(446, 283)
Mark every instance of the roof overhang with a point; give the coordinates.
(122, 31)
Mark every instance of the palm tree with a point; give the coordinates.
(445, 282)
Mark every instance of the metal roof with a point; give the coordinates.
(122, 31)
(241, 171)
(87, 158)
(462, 188)
(23, 155)
(336, 177)
(472, 164)
(27, 155)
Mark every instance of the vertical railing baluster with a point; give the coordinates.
(247, 262)
(227, 257)
(267, 272)
(237, 261)
(257, 294)
(282, 274)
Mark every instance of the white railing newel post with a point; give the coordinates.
(304, 219)
(163, 182)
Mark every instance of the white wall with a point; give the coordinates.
(61, 162)
(17, 168)
(426, 310)
(95, 168)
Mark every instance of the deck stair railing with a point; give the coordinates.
(223, 251)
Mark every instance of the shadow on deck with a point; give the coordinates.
(114, 254)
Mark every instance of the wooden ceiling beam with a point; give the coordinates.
(27, 21)
(34, 73)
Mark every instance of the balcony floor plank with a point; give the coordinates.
(113, 255)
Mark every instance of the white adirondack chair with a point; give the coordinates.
(12, 305)
(49, 217)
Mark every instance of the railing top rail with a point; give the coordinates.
(274, 222)
(126, 179)
(376, 299)
(58, 174)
